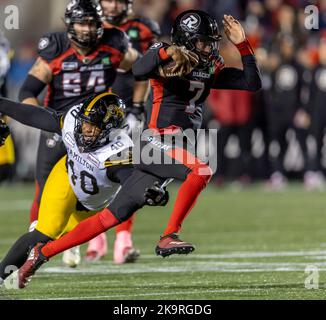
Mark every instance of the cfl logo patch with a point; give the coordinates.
(190, 22)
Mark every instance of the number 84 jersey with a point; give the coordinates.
(75, 77)
(87, 171)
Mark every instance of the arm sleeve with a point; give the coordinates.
(146, 66)
(37, 117)
(247, 79)
(31, 88)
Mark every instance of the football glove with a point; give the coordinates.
(135, 117)
(184, 61)
(4, 132)
(157, 195)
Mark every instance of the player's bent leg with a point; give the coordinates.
(50, 151)
(18, 253)
(57, 205)
(122, 208)
(58, 202)
(197, 178)
(33, 263)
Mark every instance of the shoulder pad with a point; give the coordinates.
(51, 45)
(116, 38)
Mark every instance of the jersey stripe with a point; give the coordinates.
(157, 100)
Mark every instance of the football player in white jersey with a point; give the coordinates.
(84, 181)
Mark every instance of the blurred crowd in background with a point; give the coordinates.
(276, 135)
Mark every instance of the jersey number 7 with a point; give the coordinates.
(197, 87)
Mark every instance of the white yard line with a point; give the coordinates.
(157, 294)
(189, 266)
(251, 254)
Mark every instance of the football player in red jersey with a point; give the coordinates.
(176, 105)
(142, 33)
(73, 65)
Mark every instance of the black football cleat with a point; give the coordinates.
(33, 263)
(171, 244)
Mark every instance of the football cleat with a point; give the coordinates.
(171, 244)
(124, 252)
(97, 248)
(33, 263)
(71, 257)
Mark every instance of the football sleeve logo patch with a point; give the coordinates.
(156, 45)
(43, 43)
(190, 22)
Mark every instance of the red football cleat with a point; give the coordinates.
(171, 244)
(33, 263)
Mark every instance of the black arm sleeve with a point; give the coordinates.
(37, 117)
(119, 173)
(146, 66)
(246, 79)
(4, 89)
(31, 88)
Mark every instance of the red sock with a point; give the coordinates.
(186, 199)
(83, 232)
(33, 213)
(125, 226)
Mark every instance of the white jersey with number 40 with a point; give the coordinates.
(87, 171)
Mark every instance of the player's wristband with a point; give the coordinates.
(244, 48)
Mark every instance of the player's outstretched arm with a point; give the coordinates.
(129, 59)
(37, 117)
(232, 78)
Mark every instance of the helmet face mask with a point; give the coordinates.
(97, 118)
(115, 18)
(80, 13)
(198, 32)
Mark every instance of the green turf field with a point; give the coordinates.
(249, 245)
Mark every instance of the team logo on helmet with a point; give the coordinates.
(190, 22)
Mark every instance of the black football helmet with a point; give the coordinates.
(116, 20)
(193, 25)
(107, 112)
(80, 11)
